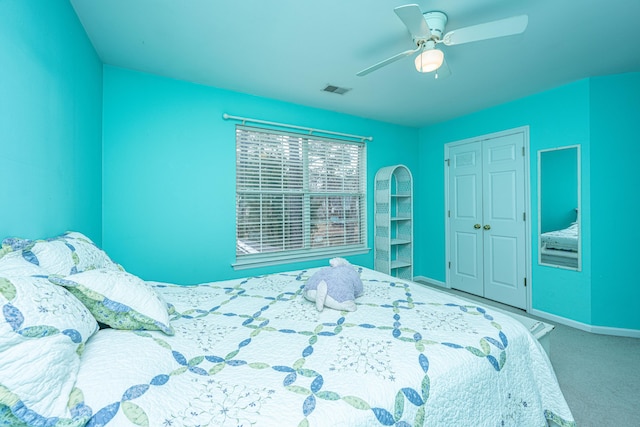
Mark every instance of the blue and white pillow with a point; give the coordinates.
(119, 299)
(69, 253)
(14, 264)
(43, 330)
(11, 244)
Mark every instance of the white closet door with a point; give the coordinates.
(504, 225)
(465, 215)
(486, 218)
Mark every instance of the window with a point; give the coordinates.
(297, 197)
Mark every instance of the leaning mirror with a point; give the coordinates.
(559, 207)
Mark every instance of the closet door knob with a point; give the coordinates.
(477, 226)
(487, 227)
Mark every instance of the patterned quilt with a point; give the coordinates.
(254, 352)
(565, 239)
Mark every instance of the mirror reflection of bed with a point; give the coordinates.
(559, 207)
(560, 247)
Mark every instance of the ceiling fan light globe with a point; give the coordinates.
(429, 60)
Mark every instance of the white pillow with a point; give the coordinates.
(14, 264)
(37, 379)
(11, 244)
(69, 253)
(43, 329)
(32, 307)
(119, 299)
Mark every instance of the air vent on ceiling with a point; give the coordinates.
(336, 89)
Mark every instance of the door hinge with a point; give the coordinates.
(449, 214)
(449, 265)
(523, 151)
(525, 282)
(447, 160)
(524, 216)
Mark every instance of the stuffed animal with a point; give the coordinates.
(335, 287)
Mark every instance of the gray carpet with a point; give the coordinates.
(599, 374)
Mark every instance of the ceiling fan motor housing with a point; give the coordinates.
(436, 22)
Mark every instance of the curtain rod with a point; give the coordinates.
(310, 130)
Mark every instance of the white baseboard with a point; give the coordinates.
(602, 330)
(430, 281)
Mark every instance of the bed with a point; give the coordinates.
(83, 342)
(560, 247)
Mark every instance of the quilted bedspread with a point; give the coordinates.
(254, 352)
(565, 239)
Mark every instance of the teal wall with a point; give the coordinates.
(169, 172)
(555, 118)
(615, 199)
(50, 122)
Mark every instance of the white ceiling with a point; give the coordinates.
(291, 49)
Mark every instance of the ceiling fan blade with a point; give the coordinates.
(488, 30)
(413, 19)
(388, 61)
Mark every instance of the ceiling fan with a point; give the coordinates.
(427, 29)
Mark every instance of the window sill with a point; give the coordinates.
(266, 261)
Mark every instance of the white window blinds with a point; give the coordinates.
(298, 195)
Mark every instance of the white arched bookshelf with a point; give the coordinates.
(393, 246)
